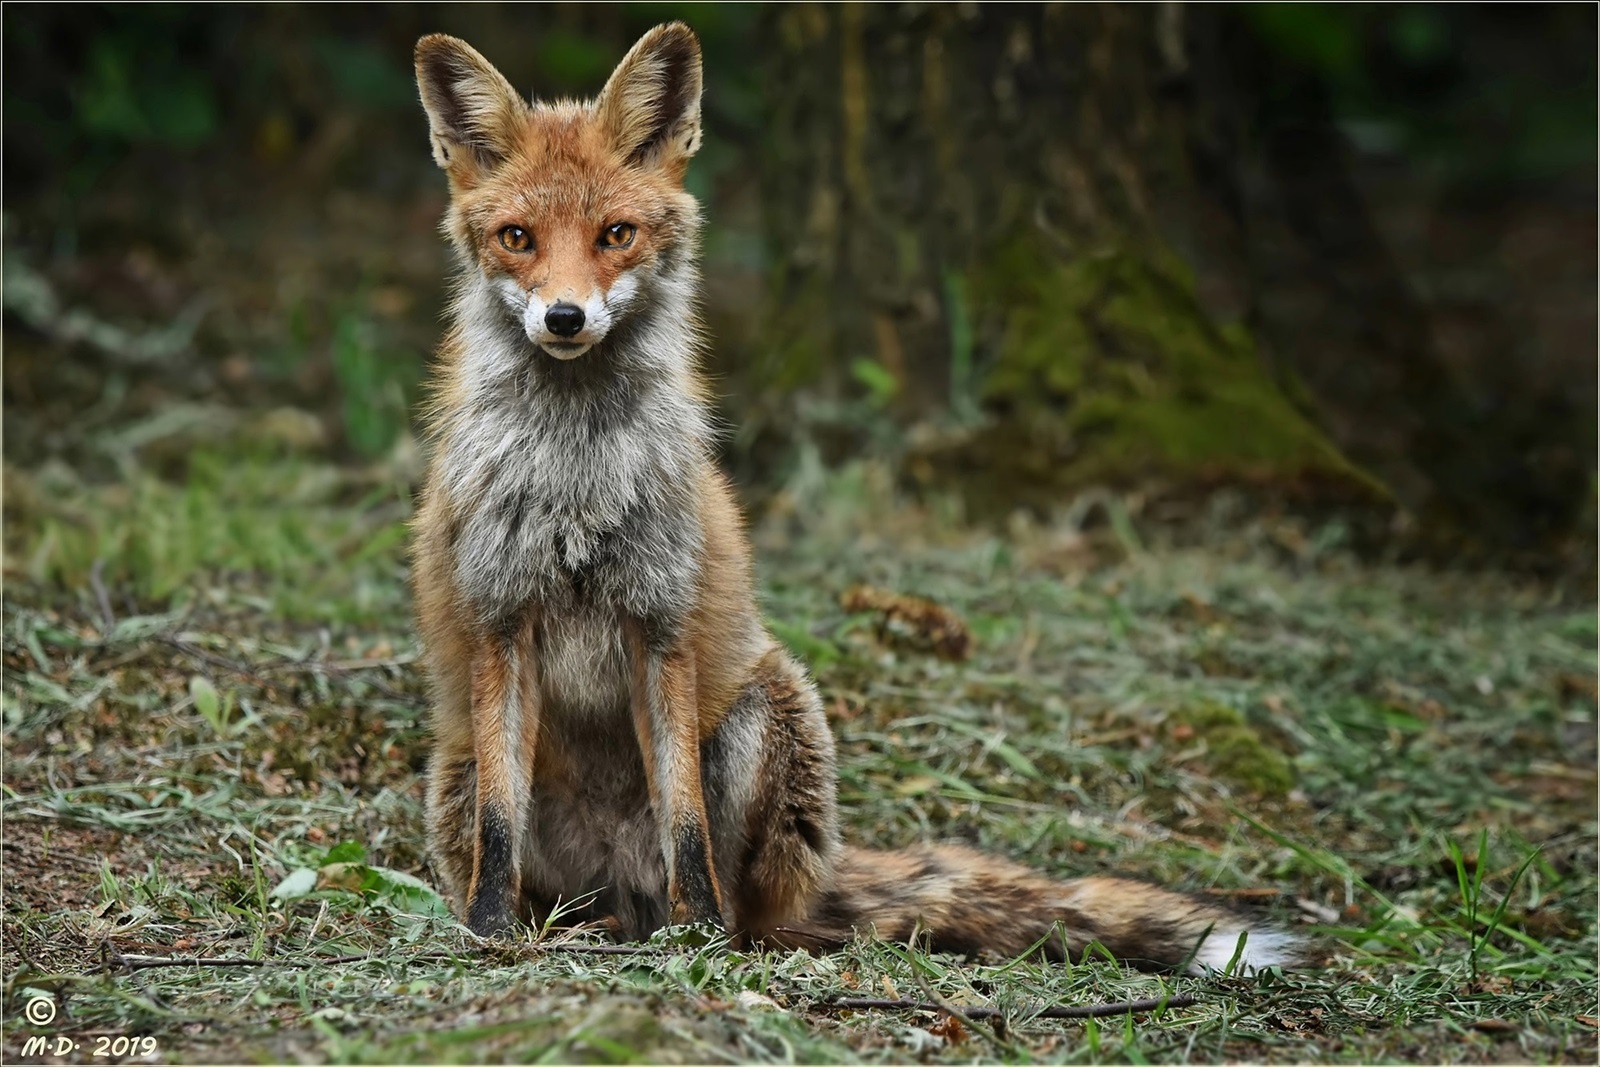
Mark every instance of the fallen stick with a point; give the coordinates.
(140, 963)
(1082, 1011)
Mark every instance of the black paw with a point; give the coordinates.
(490, 916)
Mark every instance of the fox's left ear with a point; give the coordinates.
(651, 104)
(473, 112)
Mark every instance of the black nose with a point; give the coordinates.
(564, 320)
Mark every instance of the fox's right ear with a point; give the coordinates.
(651, 103)
(473, 112)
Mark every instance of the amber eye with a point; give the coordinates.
(516, 239)
(618, 236)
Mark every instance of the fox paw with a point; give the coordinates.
(491, 919)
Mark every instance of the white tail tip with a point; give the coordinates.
(1262, 949)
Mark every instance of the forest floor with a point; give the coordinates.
(214, 731)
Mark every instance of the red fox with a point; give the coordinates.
(612, 721)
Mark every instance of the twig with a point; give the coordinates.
(107, 616)
(995, 1032)
(1080, 1011)
(347, 666)
(111, 959)
(257, 672)
(196, 652)
(140, 963)
(601, 950)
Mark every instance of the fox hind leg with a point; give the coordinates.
(771, 787)
(451, 806)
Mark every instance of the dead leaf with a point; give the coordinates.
(1198, 607)
(1578, 685)
(348, 876)
(950, 1029)
(1494, 1026)
(749, 999)
(1489, 983)
(911, 620)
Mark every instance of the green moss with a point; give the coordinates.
(1109, 369)
(1235, 752)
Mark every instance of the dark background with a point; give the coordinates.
(1341, 255)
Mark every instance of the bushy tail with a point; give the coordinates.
(968, 902)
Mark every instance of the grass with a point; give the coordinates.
(219, 758)
(298, 537)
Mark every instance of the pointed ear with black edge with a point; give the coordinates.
(472, 110)
(651, 104)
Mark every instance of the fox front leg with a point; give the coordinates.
(666, 719)
(505, 728)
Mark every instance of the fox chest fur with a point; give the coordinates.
(572, 495)
(573, 500)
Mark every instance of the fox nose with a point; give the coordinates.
(564, 320)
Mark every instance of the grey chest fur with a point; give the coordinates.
(574, 506)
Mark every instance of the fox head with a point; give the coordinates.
(570, 217)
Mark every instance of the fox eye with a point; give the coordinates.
(618, 236)
(516, 239)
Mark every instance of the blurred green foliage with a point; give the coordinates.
(264, 100)
(129, 94)
(376, 385)
(363, 74)
(576, 63)
(1484, 93)
(175, 76)
(1320, 36)
(879, 381)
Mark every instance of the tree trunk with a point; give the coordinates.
(987, 210)
(1077, 232)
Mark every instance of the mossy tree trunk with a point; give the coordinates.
(989, 208)
(1076, 229)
